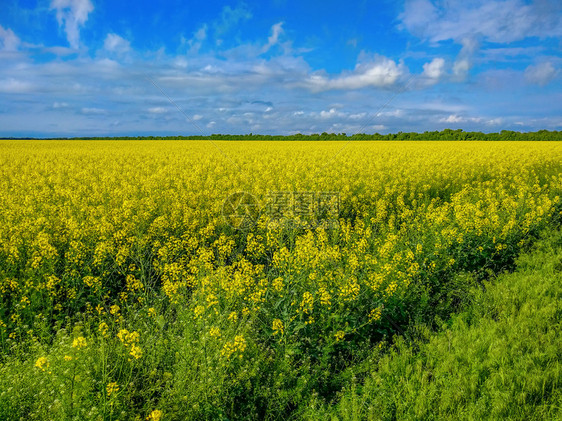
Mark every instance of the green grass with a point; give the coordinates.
(500, 358)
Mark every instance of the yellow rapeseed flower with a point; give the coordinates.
(42, 363)
(155, 415)
(79, 342)
(112, 388)
(278, 328)
(339, 335)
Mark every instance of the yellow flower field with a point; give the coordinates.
(123, 238)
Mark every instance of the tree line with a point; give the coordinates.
(447, 134)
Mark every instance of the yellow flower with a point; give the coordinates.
(375, 314)
(136, 351)
(215, 332)
(155, 415)
(114, 309)
(79, 342)
(240, 342)
(229, 348)
(278, 284)
(307, 303)
(152, 312)
(123, 334)
(42, 363)
(67, 358)
(339, 335)
(278, 327)
(103, 328)
(112, 388)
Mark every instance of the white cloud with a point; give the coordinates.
(494, 20)
(380, 73)
(541, 74)
(230, 18)
(157, 110)
(511, 53)
(358, 116)
(116, 44)
(495, 122)
(457, 119)
(394, 113)
(8, 40)
(463, 63)
(93, 111)
(417, 15)
(434, 70)
(329, 114)
(15, 86)
(461, 68)
(453, 118)
(73, 14)
(197, 40)
(197, 117)
(59, 105)
(276, 32)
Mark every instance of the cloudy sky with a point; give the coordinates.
(101, 67)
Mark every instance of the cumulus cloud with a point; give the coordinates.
(332, 112)
(458, 119)
(8, 40)
(434, 70)
(471, 22)
(116, 44)
(453, 118)
(380, 73)
(72, 14)
(541, 74)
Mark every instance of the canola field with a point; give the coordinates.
(241, 280)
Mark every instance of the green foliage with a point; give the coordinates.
(498, 359)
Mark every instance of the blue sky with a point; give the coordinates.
(100, 67)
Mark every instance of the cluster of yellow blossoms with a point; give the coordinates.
(99, 226)
(131, 340)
